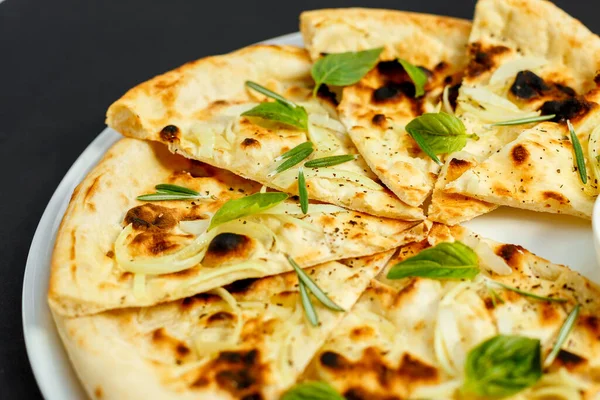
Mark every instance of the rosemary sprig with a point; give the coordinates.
(528, 294)
(166, 192)
(306, 284)
(269, 93)
(330, 161)
(564, 332)
(295, 158)
(295, 150)
(578, 153)
(523, 121)
(302, 191)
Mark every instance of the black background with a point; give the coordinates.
(62, 62)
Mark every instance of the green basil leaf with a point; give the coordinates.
(522, 121)
(270, 93)
(302, 191)
(420, 140)
(443, 261)
(343, 69)
(167, 187)
(280, 112)
(307, 305)
(442, 133)
(529, 294)
(417, 76)
(502, 366)
(245, 206)
(329, 161)
(564, 332)
(578, 153)
(312, 391)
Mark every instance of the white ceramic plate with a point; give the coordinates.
(562, 239)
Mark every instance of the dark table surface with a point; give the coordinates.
(62, 62)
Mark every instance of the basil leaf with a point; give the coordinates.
(522, 121)
(166, 187)
(280, 112)
(302, 191)
(417, 76)
(529, 294)
(564, 332)
(329, 161)
(343, 69)
(578, 153)
(312, 391)
(269, 93)
(307, 305)
(244, 206)
(438, 133)
(502, 366)
(444, 261)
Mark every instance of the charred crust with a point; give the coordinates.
(110, 254)
(572, 108)
(415, 369)
(509, 253)
(458, 163)
(453, 95)
(569, 360)
(227, 243)
(247, 358)
(241, 286)
(528, 85)
(332, 360)
(151, 215)
(378, 119)
(547, 195)
(169, 133)
(234, 381)
(519, 154)
(220, 316)
(483, 58)
(326, 94)
(253, 396)
(182, 350)
(249, 142)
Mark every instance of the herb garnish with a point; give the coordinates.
(302, 191)
(438, 133)
(307, 284)
(495, 297)
(245, 206)
(502, 366)
(293, 157)
(281, 110)
(444, 261)
(416, 75)
(166, 191)
(312, 391)
(578, 153)
(564, 332)
(330, 161)
(522, 121)
(343, 69)
(529, 294)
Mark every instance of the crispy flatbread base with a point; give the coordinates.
(165, 352)
(410, 337)
(195, 110)
(503, 32)
(87, 278)
(376, 124)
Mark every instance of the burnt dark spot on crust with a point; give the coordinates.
(597, 79)
(110, 254)
(458, 163)
(333, 360)
(393, 90)
(569, 360)
(519, 154)
(528, 85)
(253, 396)
(220, 316)
(413, 368)
(572, 108)
(453, 95)
(154, 241)
(151, 215)
(326, 94)
(182, 350)
(591, 323)
(91, 189)
(555, 196)
(241, 286)
(378, 119)
(189, 302)
(397, 82)
(248, 358)
(357, 393)
(226, 243)
(169, 133)
(509, 253)
(234, 381)
(249, 142)
(483, 58)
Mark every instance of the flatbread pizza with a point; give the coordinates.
(114, 250)
(528, 59)
(376, 109)
(197, 111)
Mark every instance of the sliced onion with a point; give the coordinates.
(325, 121)
(325, 141)
(512, 68)
(494, 114)
(489, 99)
(446, 100)
(196, 227)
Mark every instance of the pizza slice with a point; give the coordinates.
(147, 226)
(244, 112)
(492, 321)
(248, 340)
(377, 108)
(529, 61)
